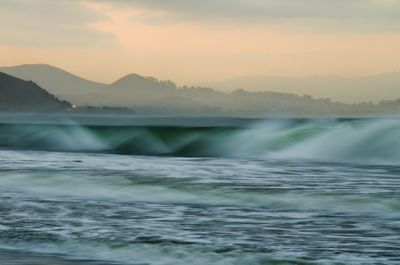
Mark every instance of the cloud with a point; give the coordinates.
(50, 23)
(357, 14)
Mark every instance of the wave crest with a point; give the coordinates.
(322, 140)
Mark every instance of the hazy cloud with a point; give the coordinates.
(357, 14)
(48, 23)
(69, 22)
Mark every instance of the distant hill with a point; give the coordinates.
(133, 89)
(343, 89)
(20, 95)
(56, 81)
(147, 95)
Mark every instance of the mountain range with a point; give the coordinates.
(354, 89)
(129, 91)
(372, 88)
(148, 95)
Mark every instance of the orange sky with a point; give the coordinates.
(122, 38)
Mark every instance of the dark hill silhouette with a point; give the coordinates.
(56, 81)
(20, 95)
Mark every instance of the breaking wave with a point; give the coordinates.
(321, 140)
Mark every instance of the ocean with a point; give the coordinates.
(217, 191)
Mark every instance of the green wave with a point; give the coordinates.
(330, 140)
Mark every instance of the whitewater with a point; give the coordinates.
(279, 191)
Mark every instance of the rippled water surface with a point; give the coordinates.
(88, 208)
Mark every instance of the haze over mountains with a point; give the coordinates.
(126, 91)
(372, 88)
(20, 95)
(148, 95)
(357, 89)
(55, 80)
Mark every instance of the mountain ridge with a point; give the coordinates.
(363, 88)
(19, 95)
(57, 81)
(346, 89)
(149, 95)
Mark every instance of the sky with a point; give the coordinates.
(191, 41)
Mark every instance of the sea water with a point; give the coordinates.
(274, 192)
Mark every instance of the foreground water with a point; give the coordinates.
(236, 206)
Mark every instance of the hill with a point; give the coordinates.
(56, 81)
(81, 91)
(147, 96)
(20, 95)
(131, 90)
(357, 89)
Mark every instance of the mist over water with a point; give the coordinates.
(271, 192)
